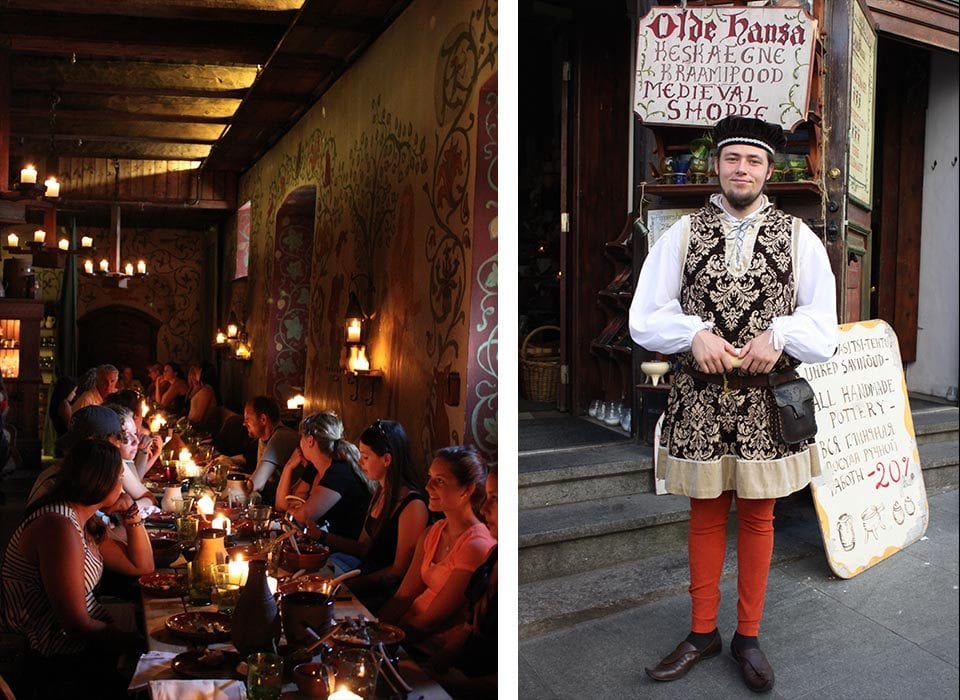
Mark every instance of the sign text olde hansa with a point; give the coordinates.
(698, 65)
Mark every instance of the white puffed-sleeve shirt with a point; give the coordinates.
(657, 322)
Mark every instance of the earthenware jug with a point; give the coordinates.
(256, 620)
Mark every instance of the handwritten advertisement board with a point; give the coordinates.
(696, 66)
(870, 498)
(863, 57)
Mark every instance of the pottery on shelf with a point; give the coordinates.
(655, 369)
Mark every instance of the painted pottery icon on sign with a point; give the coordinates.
(697, 65)
(870, 498)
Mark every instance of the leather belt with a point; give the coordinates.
(743, 381)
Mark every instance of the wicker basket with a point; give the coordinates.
(540, 368)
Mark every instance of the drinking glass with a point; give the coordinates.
(187, 527)
(199, 584)
(226, 589)
(260, 517)
(601, 411)
(594, 406)
(612, 416)
(264, 676)
(358, 669)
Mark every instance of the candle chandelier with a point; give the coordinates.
(28, 185)
(110, 272)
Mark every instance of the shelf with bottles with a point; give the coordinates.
(685, 163)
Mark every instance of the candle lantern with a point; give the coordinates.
(353, 325)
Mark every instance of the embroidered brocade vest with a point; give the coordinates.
(741, 306)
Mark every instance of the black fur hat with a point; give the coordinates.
(753, 132)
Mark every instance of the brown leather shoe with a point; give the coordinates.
(682, 659)
(755, 669)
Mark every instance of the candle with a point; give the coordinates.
(272, 585)
(362, 364)
(13, 240)
(64, 244)
(185, 455)
(157, 422)
(343, 693)
(205, 506)
(88, 267)
(53, 187)
(353, 331)
(128, 269)
(141, 267)
(104, 265)
(238, 569)
(221, 522)
(144, 409)
(39, 236)
(221, 338)
(86, 242)
(296, 402)
(232, 330)
(243, 351)
(28, 176)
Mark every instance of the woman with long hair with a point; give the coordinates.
(54, 561)
(432, 597)
(339, 492)
(204, 397)
(171, 392)
(396, 518)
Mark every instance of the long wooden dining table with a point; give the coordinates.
(157, 610)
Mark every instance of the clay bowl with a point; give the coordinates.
(311, 557)
(165, 551)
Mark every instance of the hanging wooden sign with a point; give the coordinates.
(870, 498)
(696, 66)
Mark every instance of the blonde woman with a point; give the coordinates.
(339, 492)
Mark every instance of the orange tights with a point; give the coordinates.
(707, 541)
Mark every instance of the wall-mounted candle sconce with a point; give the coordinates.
(235, 341)
(358, 313)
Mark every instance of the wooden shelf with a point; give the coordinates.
(801, 187)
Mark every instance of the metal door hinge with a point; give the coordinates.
(564, 374)
(566, 71)
(564, 222)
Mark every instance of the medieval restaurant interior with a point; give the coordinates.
(248, 334)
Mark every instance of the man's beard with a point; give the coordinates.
(741, 201)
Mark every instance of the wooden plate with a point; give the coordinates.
(208, 663)
(200, 626)
(163, 584)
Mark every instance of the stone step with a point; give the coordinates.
(574, 537)
(940, 462)
(937, 425)
(584, 474)
(551, 604)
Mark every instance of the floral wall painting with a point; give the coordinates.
(243, 242)
(391, 153)
(287, 340)
(482, 352)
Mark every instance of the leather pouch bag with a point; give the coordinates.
(794, 399)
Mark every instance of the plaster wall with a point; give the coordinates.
(938, 333)
(391, 149)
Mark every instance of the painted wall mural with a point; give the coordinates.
(482, 363)
(390, 149)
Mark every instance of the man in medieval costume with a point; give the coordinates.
(739, 293)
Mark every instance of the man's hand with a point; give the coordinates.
(758, 355)
(712, 352)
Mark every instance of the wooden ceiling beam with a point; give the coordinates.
(279, 12)
(104, 149)
(134, 90)
(113, 138)
(140, 39)
(116, 115)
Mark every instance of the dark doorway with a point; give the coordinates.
(117, 335)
